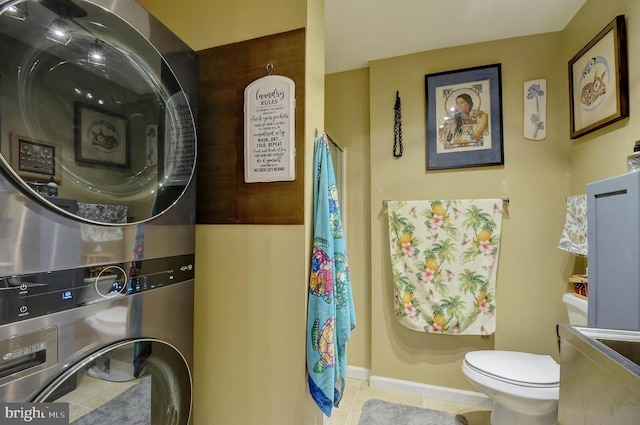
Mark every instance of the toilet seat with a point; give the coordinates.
(516, 368)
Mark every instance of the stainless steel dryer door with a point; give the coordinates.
(137, 381)
(95, 108)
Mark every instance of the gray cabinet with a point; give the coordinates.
(613, 220)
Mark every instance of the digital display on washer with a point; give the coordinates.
(32, 295)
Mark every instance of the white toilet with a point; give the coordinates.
(524, 387)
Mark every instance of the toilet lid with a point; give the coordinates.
(514, 367)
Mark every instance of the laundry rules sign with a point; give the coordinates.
(269, 130)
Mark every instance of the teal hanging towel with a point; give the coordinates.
(330, 314)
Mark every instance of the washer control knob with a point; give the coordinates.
(111, 282)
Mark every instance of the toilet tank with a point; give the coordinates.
(577, 309)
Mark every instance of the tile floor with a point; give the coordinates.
(357, 392)
(91, 394)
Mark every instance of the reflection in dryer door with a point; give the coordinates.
(142, 381)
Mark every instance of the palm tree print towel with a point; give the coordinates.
(444, 256)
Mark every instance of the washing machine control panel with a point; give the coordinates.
(32, 295)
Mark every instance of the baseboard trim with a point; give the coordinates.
(358, 373)
(424, 390)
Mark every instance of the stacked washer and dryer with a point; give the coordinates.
(97, 211)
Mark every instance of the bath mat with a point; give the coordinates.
(378, 412)
(132, 407)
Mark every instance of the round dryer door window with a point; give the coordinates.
(90, 111)
(134, 382)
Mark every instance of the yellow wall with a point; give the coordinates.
(532, 273)
(251, 281)
(537, 177)
(208, 23)
(347, 115)
(603, 153)
(250, 325)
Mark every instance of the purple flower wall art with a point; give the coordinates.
(535, 109)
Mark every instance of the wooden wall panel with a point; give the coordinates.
(225, 71)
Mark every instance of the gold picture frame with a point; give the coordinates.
(599, 81)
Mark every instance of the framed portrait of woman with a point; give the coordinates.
(464, 118)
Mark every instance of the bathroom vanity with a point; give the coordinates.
(599, 376)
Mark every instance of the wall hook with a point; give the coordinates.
(269, 68)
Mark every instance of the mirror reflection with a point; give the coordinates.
(134, 382)
(92, 119)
